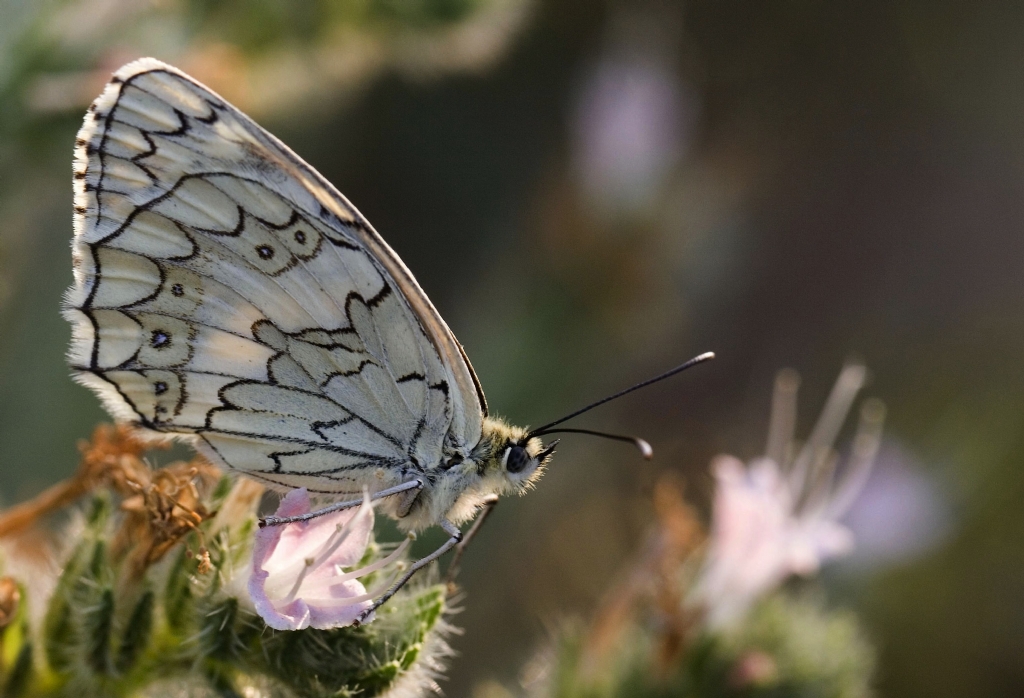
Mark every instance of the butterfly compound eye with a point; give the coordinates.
(516, 459)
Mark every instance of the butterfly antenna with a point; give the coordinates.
(643, 446)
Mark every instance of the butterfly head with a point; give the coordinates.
(512, 459)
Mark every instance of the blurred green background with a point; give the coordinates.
(591, 192)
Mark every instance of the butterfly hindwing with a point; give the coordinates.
(226, 292)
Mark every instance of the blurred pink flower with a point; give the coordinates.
(627, 132)
(779, 516)
(298, 578)
(634, 115)
(903, 512)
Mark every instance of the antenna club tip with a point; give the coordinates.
(645, 449)
(706, 356)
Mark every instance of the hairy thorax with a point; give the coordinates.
(458, 487)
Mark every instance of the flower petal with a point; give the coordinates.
(328, 615)
(293, 566)
(293, 616)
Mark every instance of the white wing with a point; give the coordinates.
(225, 291)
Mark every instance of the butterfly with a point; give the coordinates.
(226, 294)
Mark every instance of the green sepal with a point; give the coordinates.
(59, 622)
(137, 633)
(179, 599)
(14, 635)
(221, 679)
(99, 512)
(106, 633)
(97, 628)
(219, 632)
(364, 660)
(17, 680)
(220, 492)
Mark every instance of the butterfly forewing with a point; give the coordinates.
(225, 291)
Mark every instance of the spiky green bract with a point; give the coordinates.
(185, 627)
(787, 647)
(366, 660)
(17, 653)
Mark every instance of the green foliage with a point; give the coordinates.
(367, 659)
(180, 629)
(786, 648)
(264, 25)
(17, 655)
(137, 633)
(44, 43)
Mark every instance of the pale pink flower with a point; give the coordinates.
(779, 516)
(298, 570)
(633, 119)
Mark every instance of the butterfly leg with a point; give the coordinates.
(456, 536)
(416, 485)
(406, 501)
(453, 568)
